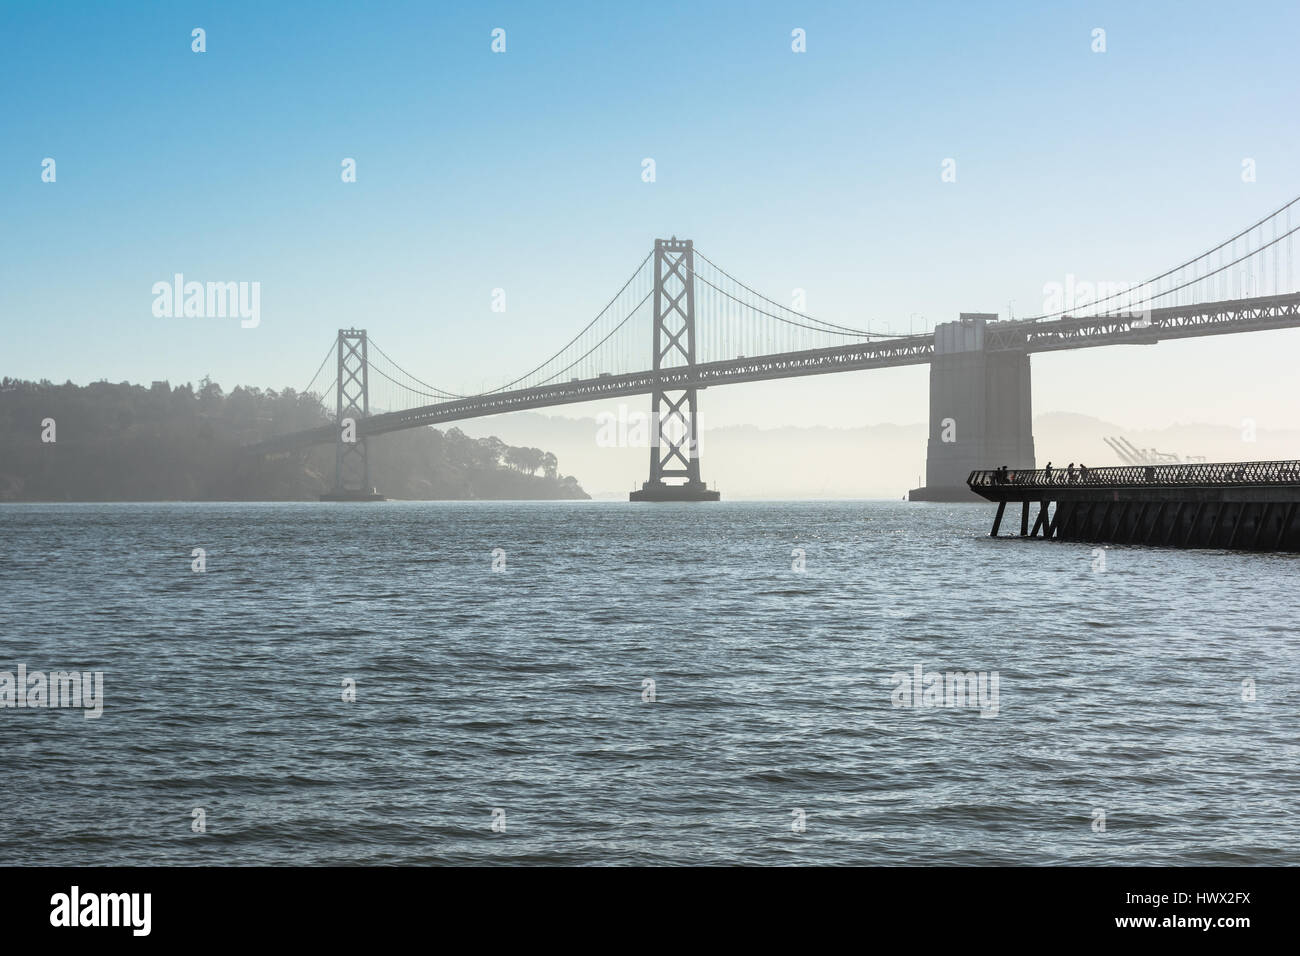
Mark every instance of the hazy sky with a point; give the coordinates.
(522, 171)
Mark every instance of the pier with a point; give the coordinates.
(1249, 505)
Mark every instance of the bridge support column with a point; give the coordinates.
(980, 410)
(674, 447)
(351, 462)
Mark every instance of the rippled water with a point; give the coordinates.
(522, 690)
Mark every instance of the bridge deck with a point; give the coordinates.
(1069, 332)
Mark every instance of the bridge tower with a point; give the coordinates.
(351, 461)
(674, 447)
(980, 409)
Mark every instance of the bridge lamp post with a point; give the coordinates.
(909, 322)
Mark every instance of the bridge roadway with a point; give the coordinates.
(1211, 318)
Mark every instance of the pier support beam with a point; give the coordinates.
(997, 521)
(1040, 521)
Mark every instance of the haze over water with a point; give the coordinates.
(1119, 690)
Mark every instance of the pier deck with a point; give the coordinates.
(1249, 505)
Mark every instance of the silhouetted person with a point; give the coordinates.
(1083, 472)
(1047, 472)
(1069, 473)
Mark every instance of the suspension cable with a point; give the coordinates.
(1166, 274)
(328, 352)
(414, 391)
(1237, 261)
(432, 388)
(857, 333)
(635, 273)
(810, 318)
(591, 350)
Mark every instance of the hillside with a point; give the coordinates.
(130, 443)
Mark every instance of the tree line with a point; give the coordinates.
(123, 442)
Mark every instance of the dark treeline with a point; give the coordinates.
(131, 443)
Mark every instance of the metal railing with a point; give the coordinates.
(1199, 473)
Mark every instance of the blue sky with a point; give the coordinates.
(522, 171)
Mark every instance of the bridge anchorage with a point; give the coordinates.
(672, 411)
(351, 461)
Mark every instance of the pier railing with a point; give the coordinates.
(1201, 473)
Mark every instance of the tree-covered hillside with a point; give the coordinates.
(131, 443)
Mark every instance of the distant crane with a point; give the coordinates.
(1132, 455)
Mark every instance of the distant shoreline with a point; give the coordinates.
(259, 501)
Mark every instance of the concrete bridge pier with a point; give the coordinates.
(980, 409)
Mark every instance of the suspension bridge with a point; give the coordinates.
(707, 328)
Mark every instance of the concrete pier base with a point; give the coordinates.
(928, 493)
(981, 412)
(661, 491)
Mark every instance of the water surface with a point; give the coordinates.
(522, 690)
